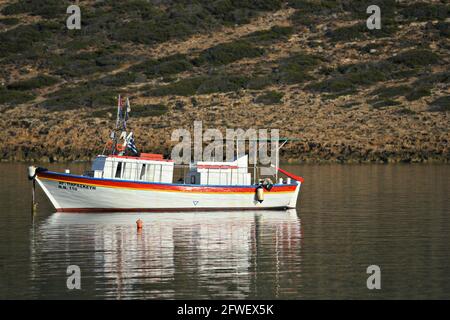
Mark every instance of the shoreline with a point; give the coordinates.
(286, 161)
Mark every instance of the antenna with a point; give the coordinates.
(120, 125)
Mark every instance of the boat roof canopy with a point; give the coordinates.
(142, 156)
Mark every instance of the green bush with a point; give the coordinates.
(425, 11)
(298, 18)
(45, 8)
(221, 8)
(33, 83)
(359, 31)
(222, 83)
(201, 85)
(370, 46)
(102, 113)
(171, 67)
(432, 79)
(276, 33)
(117, 80)
(310, 12)
(184, 87)
(22, 38)
(345, 79)
(444, 29)
(104, 59)
(259, 82)
(415, 58)
(135, 29)
(151, 32)
(294, 69)
(316, 7)
(405, 111)
(299, 60)
(150, 110)
(411, 93)
(368, 76)
(377, 104)
(264, 5)
(270, 97)
(391, 92)
(339, 86)
(137, 111)
(367, 73)
(165, 66)
(358, 7)
(228, 52)
(14, 97)
(81, 96)
(350, 105)
(80, 43)
(440, 104)
(9, 21)
(418, 92)
(142, 8)
(84, 63)
(350, 33)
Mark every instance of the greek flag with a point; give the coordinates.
(132, 146)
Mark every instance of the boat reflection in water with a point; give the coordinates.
(175, 255)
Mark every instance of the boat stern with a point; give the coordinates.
(299, 180)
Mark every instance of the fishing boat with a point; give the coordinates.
(122, 179)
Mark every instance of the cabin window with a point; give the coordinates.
(141, 177)
(124, 173)
(192, 179)
(98, 164)
(119, 169)
(150, 172)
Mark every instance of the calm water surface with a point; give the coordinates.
(349, 217)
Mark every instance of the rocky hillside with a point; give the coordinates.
(310, 68)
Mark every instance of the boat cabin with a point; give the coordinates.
(220, 173)
(147, 167)
(154, 168)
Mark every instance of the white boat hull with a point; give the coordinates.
(71, 193)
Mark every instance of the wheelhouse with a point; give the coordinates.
(147, 167)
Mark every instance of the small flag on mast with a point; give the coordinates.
(128, 105)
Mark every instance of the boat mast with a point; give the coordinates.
(121, 125)
(116, 133)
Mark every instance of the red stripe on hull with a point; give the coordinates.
(157, 186)
(126, 210)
